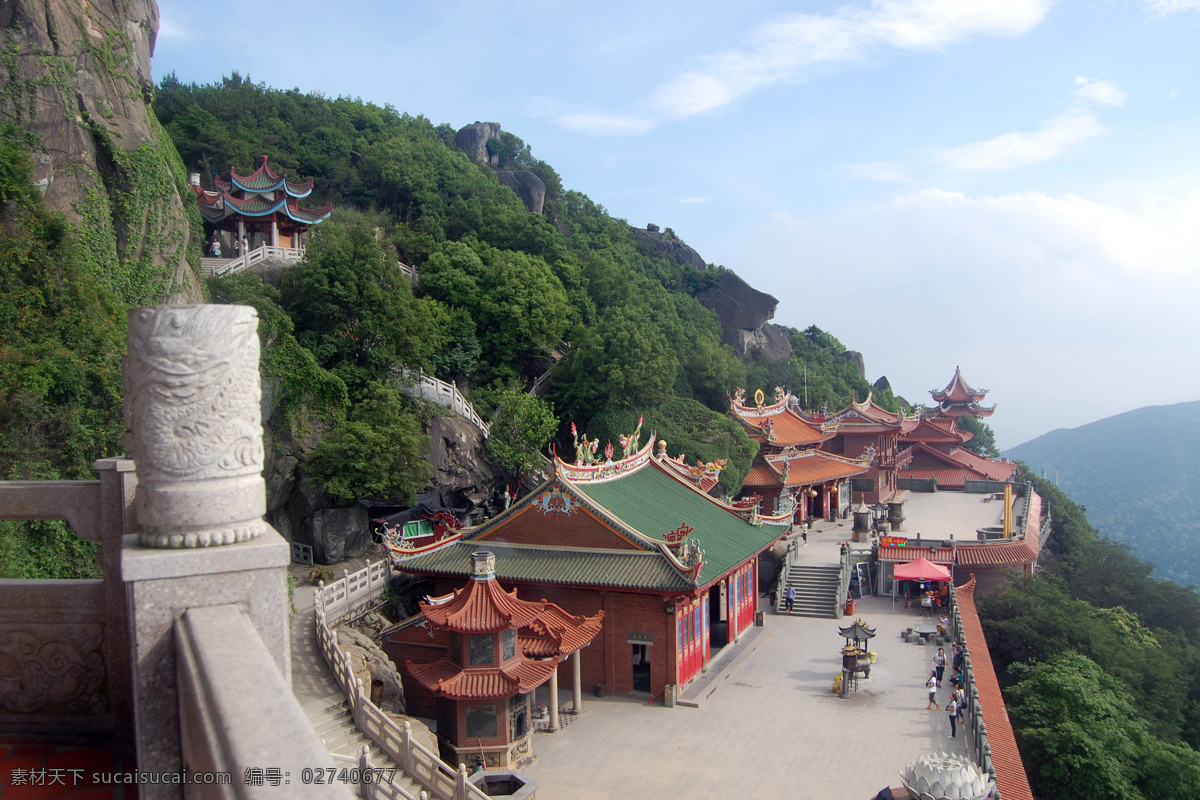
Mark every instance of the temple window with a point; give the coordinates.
(482, 650)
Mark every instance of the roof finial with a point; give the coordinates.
(484, 565)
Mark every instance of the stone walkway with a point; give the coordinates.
(772, 727)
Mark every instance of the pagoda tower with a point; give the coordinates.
(958, 399)
(262, 207)
(485, 680)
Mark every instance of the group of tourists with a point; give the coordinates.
(954, 708)
(240, 246)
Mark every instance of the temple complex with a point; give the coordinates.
(492, 650)
(791, 473)
(263, 208)
(674, 571)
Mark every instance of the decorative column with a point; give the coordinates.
(274, 233)
(193, 427)
(194, 424)
(554, 700)
(576, 684)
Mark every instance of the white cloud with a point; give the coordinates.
(1103, 93)
(1019, 148)
(693, 200)
(1167, 7)
(784, 48)
(1034, 295)
(173, 28)
(598, 122)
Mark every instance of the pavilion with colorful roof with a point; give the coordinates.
(262, 207)
(489, 651)
(674, 570)
(791, 471)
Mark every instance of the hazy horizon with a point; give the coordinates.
(1009, 186)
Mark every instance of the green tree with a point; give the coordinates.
(520, 428)
(354, 310)
(983, 439)
(379, 452)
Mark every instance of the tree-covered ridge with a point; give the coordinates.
(1138, 475)
(1101, 667)
(500, 288)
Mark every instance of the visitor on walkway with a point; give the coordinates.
(804, 534)
(952, 711)
(960, 697)
(958, 656)
(931, 685)
(245, 246)
(215, 247)
(789, 598)
(939, 663)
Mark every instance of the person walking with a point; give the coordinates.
(939, 663)
(804, 533)
(931, 685)
(789, 598)
(215, 246)
(952, 711)
(960, 697)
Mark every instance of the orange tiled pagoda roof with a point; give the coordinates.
(481, 607)
(804, 469)
(261, 194)
(788, 428)
(446, 678)
(557, 633)
(866, 418)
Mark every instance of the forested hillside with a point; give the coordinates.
(1138, 477)
(1101, 667)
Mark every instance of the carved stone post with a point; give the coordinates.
(194, 422)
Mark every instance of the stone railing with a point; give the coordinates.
(339, 600)
(973, 713)
(215, 267)
(445, 394)
(70, 635)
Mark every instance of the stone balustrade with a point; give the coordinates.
(436, 390)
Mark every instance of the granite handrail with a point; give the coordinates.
(423, 766)
(445, 394)
(974, 710)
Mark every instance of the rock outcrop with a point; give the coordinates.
(529, 187)
(881, 385)
(473, 140)
(855, 358)
(653, 242)
(462, 470)
(376, 671)
(744, 313)
(78, 77)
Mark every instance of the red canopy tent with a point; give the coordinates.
(921, 570)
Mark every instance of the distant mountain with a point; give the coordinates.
(1138, 474)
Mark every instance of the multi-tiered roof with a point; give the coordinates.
(958, 399)
(261, 196)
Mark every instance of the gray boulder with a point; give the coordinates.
(338, 533)
(472, 139)
(529, 187)
(665, 245)
(744, 313)
(881, 385)
(371, 665)
(462, 471)
(855, 358)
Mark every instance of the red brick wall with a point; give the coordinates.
(575, 529)
(414, 644)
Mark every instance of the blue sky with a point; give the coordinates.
(1012, 186)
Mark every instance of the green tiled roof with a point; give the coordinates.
(654, 504)
(564, 566)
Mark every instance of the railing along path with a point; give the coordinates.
(445, 394)
(336, 602)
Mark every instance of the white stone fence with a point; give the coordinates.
(445, 394)
(441, 781)
(215, 267)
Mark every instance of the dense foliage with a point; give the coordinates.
(983, 438)
(60, 365)
(502, 291)
(1101, 666)
(521, 427)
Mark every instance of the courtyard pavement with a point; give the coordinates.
(771, 727)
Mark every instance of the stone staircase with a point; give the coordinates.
(816, 591)
(335, 727)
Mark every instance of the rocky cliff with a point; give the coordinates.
(744, 313)
(77, 76)
(473, 140)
